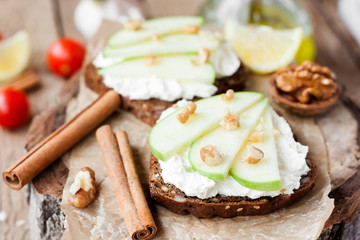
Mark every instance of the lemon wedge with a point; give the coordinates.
(14, 55)
(261, 48)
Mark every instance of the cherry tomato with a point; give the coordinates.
(14, 108)
(65, 56)
(1, 37)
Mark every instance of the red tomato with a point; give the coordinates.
(65, 56)
(14, 108)
(1, 37)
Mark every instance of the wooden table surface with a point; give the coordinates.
(47, 20)
(39, 18)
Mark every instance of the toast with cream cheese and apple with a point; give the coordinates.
(227, 155)
(159, 61)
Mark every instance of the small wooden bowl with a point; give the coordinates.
(302, 109)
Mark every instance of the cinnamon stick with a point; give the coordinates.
(24, 82)
(60, 141)
(125, 182)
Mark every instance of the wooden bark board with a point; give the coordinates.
(331, 37)
(46, 189)
(14, 16)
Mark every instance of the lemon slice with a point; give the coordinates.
(261, 48)
(14, 55)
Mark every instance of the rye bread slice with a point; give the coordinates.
(150, 110)
(178, 202)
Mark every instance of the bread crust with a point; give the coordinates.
(150, 110)
(177, 201)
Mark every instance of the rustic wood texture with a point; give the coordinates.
(42, 126)
(55, 17)
(329, 12)
(66, 12)
(336, 49)
(36, 17)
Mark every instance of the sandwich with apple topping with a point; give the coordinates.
(154, 63)
(227, 155)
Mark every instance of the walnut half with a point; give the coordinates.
(83, 189)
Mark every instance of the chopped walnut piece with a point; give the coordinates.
(133, 25)
(229, 95)
(230, 121)
(150, 60)
(211, 155)
(83, 189)
(254, 155)
(182, 117)
(156, 37)
(257, 136)
(306, 94)
(191, 107)
(204, 55)
(186, 112)
(191, 29)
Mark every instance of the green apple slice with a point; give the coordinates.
(264, 175)
(161, 26)
(174, 44)
(169, 137)
(177, 67)
(228, 142)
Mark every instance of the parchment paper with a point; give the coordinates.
(102, 219)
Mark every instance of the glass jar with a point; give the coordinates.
(280, 14)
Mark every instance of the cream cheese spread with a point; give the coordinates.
(291, 159)
(154, 87)
(224, 60)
